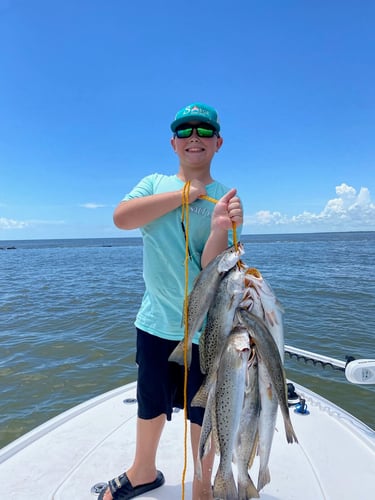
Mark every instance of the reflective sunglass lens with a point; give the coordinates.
(205, 132)
(184, 132)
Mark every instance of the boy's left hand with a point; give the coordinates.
(227, 210)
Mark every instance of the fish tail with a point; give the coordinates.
(290, 434)
(178, 354)
(264, 477)
(225, 487)
(247, 489)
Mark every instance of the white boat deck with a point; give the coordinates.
(65, 457)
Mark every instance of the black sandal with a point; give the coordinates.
(121, 488)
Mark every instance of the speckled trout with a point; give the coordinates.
(219, 325)
(267, 423)
(247, 435)
(229, 398)
(260, 300)
(202, 296)
(268, 354)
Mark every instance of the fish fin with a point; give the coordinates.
(203, 393)
(202, 350)
(224, 487)
(279, 306)
(203, 450)
(264, 478)
(254, 451)
(207, 446)
(271, 318)
(206, 433)
(200, 398)
(289, 431)
(247, 490)
(183, 314)
(178, 354)
(215, 435)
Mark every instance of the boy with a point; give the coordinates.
(155, 206)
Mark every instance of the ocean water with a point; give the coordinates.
(67, 309)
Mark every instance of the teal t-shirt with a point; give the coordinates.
(161, 311)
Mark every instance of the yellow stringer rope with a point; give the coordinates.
(185, 217)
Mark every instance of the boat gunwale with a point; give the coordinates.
(356, 426)
(53, 423)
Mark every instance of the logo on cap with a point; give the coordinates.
(195, 109)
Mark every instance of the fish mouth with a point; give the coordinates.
(240, 248)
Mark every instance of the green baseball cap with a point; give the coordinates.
(196, 112)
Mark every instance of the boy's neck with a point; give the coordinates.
(189, 174)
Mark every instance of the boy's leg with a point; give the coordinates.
(143, 469)
(202, 490)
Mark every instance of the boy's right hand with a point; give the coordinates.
(197, 189)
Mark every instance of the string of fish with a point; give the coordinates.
(185, 229)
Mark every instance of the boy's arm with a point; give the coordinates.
(137, 212)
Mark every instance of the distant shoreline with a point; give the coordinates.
(4, 241)
(108, 242)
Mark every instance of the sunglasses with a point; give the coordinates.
(202, 131)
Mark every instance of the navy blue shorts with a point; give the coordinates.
(160, 386)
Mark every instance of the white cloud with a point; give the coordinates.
(6, 223)
(12, 224)
(349, 211)
(92, 205)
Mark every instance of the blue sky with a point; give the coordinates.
(88, 89)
